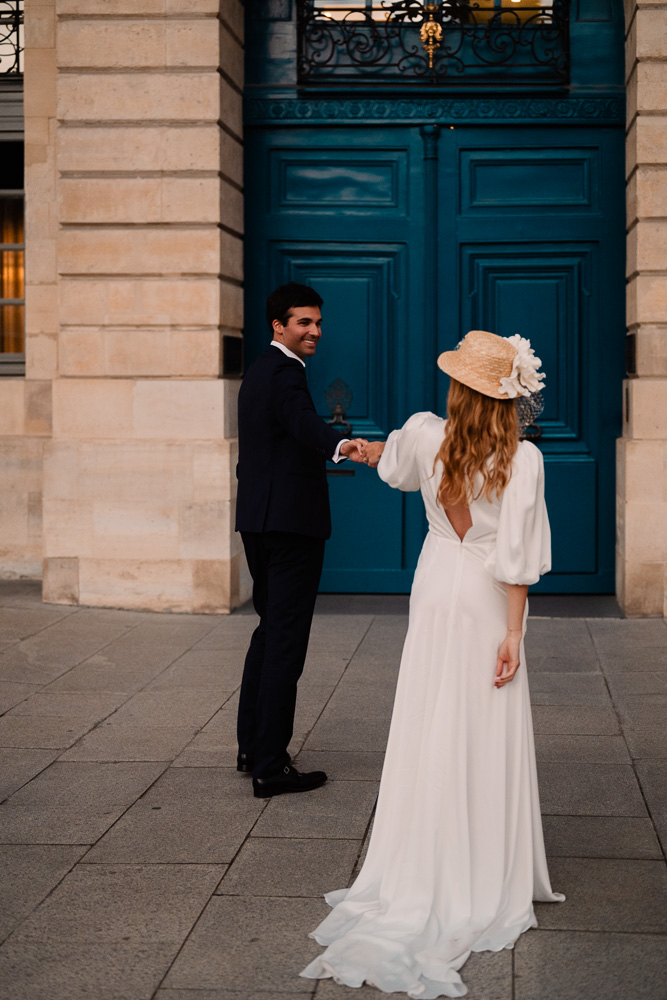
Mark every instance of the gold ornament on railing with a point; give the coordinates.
(431, 33)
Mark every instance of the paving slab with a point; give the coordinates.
(89, 706)
(628, 634)
(224, 995)
(53, 652)
(41, 732)
(582, 749)
(642, 713)
(191, 815)
(13, 693)
(646, 745)
(339, 809)
(568, 689)
(558, 965)
(73, 803)
(151, 904)
(638, 683)
(574, 720)
(356, 718)
(653, 779)
(250, 944)
(56, 970)
(282, 867)
(120, 667)
(177, 707)
(209, 749)
(112, 741)
(607, 895)
(596, 790)
(352, 765)
(201, 668)
(600, 837)
(20, 623)
(18, 766)
(632, 660)
(28, 873)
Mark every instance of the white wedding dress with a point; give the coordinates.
(456, 856)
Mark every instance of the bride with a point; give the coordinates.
(456, 856)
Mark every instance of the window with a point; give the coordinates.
(11, 37)
(12, 252)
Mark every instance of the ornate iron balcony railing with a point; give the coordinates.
(11, 37)
(446, 42)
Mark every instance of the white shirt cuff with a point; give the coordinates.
(337, 457)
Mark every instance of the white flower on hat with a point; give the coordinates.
(524, 379)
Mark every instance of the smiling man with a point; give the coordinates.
(284, 519)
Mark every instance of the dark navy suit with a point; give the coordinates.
(284, 518)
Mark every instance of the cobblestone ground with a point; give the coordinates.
(137, 864)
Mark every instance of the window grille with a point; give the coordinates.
(11, 37)
(442, 42)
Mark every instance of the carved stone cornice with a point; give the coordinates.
(547, 110)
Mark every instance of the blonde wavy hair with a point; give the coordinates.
(478, 428)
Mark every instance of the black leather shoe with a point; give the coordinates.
(287, 780)
(244, 762)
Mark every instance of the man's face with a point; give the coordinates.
(301, 332)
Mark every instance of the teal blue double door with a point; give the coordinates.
(414, 235)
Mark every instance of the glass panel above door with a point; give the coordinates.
(441, 43)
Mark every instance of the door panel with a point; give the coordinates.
(530, 236)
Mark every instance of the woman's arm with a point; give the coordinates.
(508, 655)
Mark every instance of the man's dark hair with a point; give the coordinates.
(287, 297)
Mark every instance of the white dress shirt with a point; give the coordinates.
(337, 457)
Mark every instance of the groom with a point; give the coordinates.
(284, 519)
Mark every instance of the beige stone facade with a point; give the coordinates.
(642, 451)
(117, 450)
(134, 271)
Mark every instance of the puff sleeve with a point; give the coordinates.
(398, 466)
(523, 545)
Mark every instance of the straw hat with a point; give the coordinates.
(500, 367)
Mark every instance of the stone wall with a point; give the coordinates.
(142, 221)
(642, 451)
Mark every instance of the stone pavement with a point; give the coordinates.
(137, 863)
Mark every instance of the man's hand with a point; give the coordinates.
(354, 449)
(373, 453)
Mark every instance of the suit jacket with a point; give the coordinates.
(283, 447)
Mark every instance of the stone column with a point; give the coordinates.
(642, 451)
(139, 476)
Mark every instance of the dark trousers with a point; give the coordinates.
(285, 570)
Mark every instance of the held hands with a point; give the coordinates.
(360, 450)
(508, 658)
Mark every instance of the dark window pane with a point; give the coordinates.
(11, 329)
(11, 274)
(11, 165)
(11, 220)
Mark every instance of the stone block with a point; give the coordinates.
(600, 837)
(180, 410)
(41, 356)
(607, 895)
(205, 530)
(149, 302)
(18, 766)
(151, 585)
(38, 411)
(190, 199)
(639, 464)
(231, 108)
(40, 27)
(649, 199)
(153, 831)
(12, 406)
(231, 306)
(28, 873)
(269, 867)
(646, 142)
(118, 199)
(250, 929)
(337, 809)
(231, 56)
(643, 589)
(231, 158)
(146, 251)
(647, 89)
(651, 33)
(114, 8)
(81, 352)
(231, 256)
(73, 803)
(148, 147)
(195, 353)
(231, 207)
(68, 534)
(187, 96)
(651, 343)
(647, 246)
(41, 308)
(111, 44)
(596, 790)
(613, 966)
(646, 299)
(92, 408)
(646, 531)
(135, 530)
(647, 409)
(41, 72)
(192, 44)
(232, 18)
